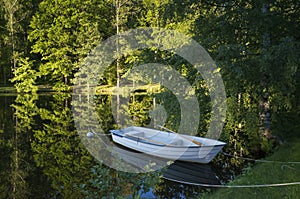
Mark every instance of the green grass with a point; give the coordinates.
(150, 88)
(105, 89)
(268, 173)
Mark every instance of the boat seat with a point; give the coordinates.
(177, 143)
(138, 134)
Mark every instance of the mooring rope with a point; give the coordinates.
(255, 160)
(91, 133)
(230, 186)
(234, 186)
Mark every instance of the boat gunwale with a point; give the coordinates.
(165, 145)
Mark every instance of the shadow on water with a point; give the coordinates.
(181, 178)
(177, 171)
(42, 155)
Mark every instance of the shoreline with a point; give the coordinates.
(102, 89)
(280, 169)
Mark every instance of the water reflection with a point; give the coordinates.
(19, 176)
(177, 174)
(142, 162)
(191, 173)
(42, 155)
(176, 171)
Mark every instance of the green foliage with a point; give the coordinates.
(6, 144)
(235, 34)
(267, 173)
(15, 17)
(58, 151)
(26, 110)
(63, 33)
(25, 76)
(138, 109)
(19, 173)
(107, 183)
(254, 43)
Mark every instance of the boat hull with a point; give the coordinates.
(192, 153)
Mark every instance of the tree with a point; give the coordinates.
(11, 8)
(25, 76)
(243, 39)
(15, 15)
(3, 51)
(63, 33)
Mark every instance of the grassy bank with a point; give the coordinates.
(12, 90)
(103, 89)
(268, 173)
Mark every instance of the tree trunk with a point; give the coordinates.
(118, 7)
(265, 114)
(10, 8)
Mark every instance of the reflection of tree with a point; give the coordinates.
(104, 111)
(134, 110)
(58, 150)
(139, 107)
(6, 148)
(168, 189)
(24, 112)
(108, 183)
(104, 181)
(23, 176)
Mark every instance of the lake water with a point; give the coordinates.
(42, 155)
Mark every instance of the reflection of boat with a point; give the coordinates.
(168, 145)
(178, 171)
(191, 173)
(135, 161)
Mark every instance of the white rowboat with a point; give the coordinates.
(168, 145)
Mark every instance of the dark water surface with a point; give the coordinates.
(42, 156)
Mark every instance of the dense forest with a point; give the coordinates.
(255, 43)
